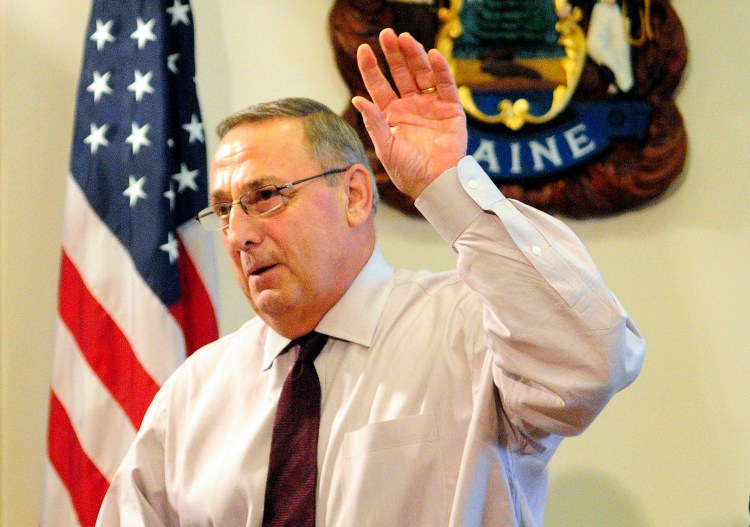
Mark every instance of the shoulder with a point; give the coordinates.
(433, 313)
(241, 349)
(443, 295)
(428, 283)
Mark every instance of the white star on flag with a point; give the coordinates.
(144, 32)
(137, 137)
(102, 34)
(141, 84)
(171, 248)
(172, 62)
(100, 85)
(185, 178)
(195, 129)
(135, 190)
(96, 138)
(179, 13)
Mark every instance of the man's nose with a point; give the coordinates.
(243, 230)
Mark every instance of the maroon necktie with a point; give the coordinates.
(293, 465)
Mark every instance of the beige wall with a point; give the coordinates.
(672, 450)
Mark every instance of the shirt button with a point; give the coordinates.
(536, 250)
(473, 184)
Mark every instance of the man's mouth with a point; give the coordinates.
(260, 270)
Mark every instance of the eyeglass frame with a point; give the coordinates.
(208, 211)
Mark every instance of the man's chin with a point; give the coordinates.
(270, 302)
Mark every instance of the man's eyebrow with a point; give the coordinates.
(219, 196)
(262, 181)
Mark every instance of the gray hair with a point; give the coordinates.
(332, 140)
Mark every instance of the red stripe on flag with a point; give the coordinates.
(80, 476)
(194, 311)
(103, 344)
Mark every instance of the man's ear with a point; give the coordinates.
(357, 185)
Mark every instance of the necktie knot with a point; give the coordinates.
(309, 346)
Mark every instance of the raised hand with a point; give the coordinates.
(419, 132)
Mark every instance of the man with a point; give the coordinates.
(442, 397)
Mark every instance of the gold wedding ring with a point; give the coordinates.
(431, 89)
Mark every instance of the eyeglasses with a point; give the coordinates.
(258, 202)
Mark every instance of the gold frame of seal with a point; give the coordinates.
(514, 114)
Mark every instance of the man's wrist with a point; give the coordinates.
(447, 206)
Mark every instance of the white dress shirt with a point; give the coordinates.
(443, 395)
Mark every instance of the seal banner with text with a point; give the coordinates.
(570, 105)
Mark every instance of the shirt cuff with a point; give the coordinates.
(455, 198)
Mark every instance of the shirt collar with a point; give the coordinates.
(355, 316)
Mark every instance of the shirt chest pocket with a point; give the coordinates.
(393, 474)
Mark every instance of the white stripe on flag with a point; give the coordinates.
(57, 508)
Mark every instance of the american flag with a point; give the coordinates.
(137, 274)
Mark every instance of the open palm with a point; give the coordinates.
(421, 131)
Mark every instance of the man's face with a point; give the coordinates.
(287, 263)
